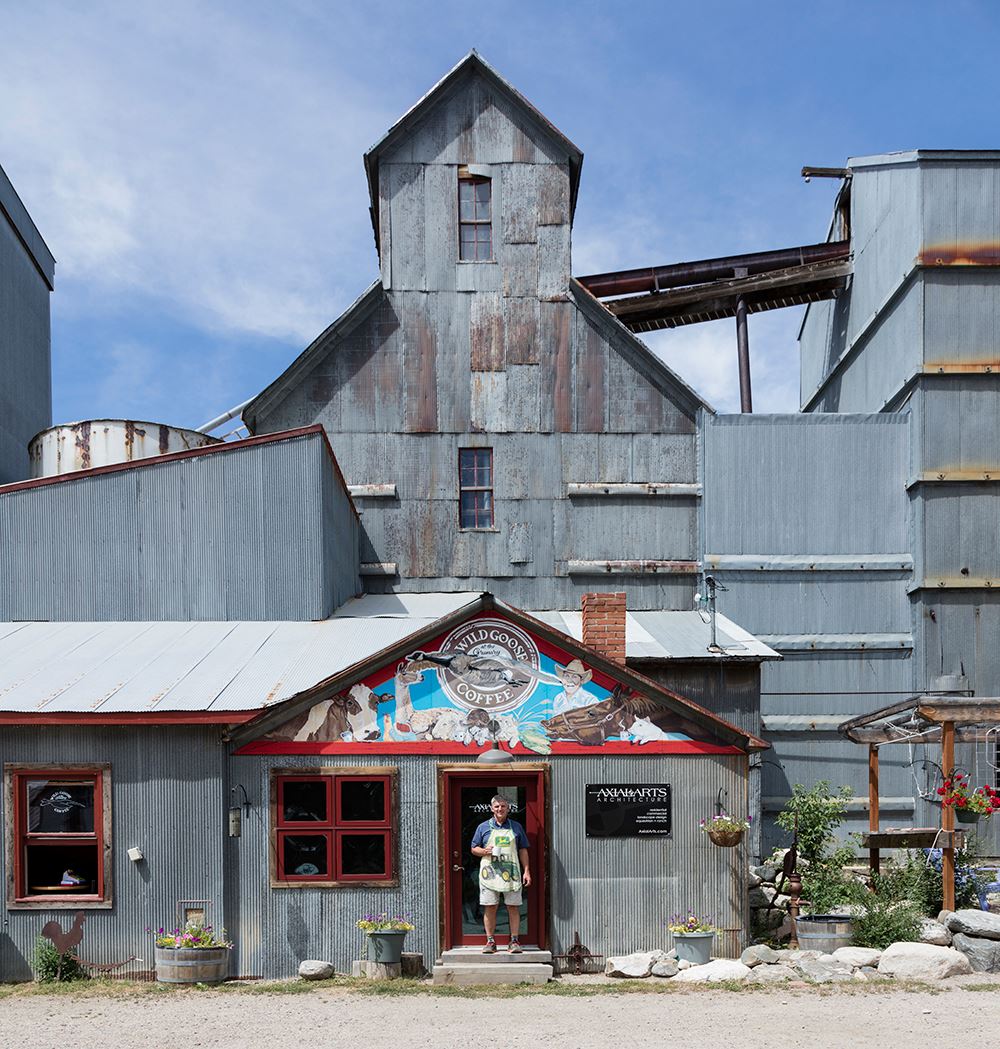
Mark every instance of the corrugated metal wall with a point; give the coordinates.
(261, 532)
(616, 893)
(25, 342)
(182, 840)
(813, 513)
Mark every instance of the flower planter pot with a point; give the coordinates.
(966, 815)
(824, 932)
(191, 964)
(386, 948)
(694, 947)
(726, 839)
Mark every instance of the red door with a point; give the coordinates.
(467, 803)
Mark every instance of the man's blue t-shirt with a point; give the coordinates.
(482, 834)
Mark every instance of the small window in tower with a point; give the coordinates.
(475, 218)
(475, 487)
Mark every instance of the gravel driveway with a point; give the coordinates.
(327, 1018)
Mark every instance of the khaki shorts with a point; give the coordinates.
(487, 897)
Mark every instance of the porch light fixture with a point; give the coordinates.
(494, 756)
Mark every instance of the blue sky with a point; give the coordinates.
(196, 167)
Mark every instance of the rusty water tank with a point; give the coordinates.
(100, 442)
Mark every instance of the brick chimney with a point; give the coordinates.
(604, 624)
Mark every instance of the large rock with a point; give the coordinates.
(312, 969)
(714, 972)
(766, 871)
(759, 954)
(856, 957)
(633, 966)
(790, 957)
(934, 932)
(772, 974)
(665, 967)
(823, 970)
(764, 895)
(922, 961)
(763, 922)
(976, 923)
(983, 954)
(752, 881)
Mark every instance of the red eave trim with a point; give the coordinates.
(164, 717)
(190, 453)
(679, 746)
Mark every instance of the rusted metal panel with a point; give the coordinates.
(591, 376)
(489, 402)
(451, 316)
(407, 208)
(521, 330)
(614, 456)
(553, 195)
(486, 335)
(667, 457)
(558, 389)
(420, 372)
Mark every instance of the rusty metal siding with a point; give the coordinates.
(25, 339)
(239, 534)
(617, 893)
(182, 840)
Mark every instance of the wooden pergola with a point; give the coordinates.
(923, 719)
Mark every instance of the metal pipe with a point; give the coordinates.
(629, 282)
(743, 351)
(224, 418)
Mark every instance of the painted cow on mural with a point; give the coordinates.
(617, 717)
(345, 716)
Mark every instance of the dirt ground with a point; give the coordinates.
(813, 1017)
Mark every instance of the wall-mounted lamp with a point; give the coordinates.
(135, 855)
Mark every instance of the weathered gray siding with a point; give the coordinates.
(168, 799)
(507, 354)
(264, 531)
(26, 274)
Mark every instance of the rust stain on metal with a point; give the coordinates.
(522, 331)
(591, 398)
(130, 439)
(486, 335)
(421, 378)
(81, 439)
(563, 360)
(961, 367)
(164, 439)
(961, 253)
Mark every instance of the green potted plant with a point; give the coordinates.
(385, 936)
(194, 954)
(724, 830)
(693, 937)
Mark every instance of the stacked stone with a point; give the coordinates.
(768, 907)
(977, 935)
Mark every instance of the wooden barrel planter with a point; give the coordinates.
(191, 964)
(824, 932)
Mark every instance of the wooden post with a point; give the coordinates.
(873, 817)
(948, 817)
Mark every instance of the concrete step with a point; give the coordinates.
(467, 974)
(474, 956)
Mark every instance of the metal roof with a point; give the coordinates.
(673, 635)
(159, 667)
(26, 231)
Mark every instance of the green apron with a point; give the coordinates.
(501, 873)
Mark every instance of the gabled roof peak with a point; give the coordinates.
(472, 64)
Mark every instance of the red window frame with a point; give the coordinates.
(475, 224)
(21, 838)
(483, 502)
(335, 828)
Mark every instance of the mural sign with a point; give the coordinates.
(488, 680)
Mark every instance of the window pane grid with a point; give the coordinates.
(475, 488)
(475, 216)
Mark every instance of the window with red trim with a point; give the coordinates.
(334, 828)
(475, 487)
(59, 836)
(475, 219)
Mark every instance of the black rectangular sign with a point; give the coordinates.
(628, 810)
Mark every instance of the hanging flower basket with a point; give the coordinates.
(967, 815)
(726, 839)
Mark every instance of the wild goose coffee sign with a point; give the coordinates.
(628, 810)
(489, 679)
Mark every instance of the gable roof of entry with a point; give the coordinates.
(473, 63)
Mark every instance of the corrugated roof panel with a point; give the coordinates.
(26, 656)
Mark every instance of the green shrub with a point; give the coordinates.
(51, 966)
(816, 813)
(889, 913)
(826, 884)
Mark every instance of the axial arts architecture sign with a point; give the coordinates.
(628, 810)
(488, 679)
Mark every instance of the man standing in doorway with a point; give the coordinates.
(502, 848)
